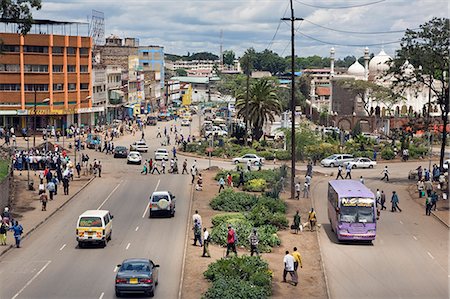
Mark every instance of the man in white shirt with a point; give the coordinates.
(197, 217)
(289, 268)
(205, 243)
(297, 190)
(249, 165)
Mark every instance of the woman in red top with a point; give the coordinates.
(230, 180)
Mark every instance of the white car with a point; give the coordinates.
(162, 202)
(134, 158)
(161, 154)
(185, 122)
(361, 163)
(336, 160)
(139, 146)
(254, 159)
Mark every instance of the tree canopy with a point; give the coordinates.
(19, 11)
(427, 49)
(190, 57)
(228, 57)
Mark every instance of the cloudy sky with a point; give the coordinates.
(183, 26)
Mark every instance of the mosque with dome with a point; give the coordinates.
(341, 101)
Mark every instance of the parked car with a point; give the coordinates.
(162, 202)
(361, 163)
(446, 164)
(139, 146)
(336, 160)
(120, 152)
(254, 159)
(161, 154)
(185, 122)
(136, 275)
(134, 158)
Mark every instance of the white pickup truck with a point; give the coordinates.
(215, 130)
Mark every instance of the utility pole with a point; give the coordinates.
(292, 19)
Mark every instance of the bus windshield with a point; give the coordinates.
(356, 214)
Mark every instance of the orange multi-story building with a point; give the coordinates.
(45, 75)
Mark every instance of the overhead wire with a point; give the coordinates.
(340, 7)
(348, 45)
(296, 30)
(278, 27)
(357, 32)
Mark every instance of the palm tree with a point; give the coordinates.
(263, 105)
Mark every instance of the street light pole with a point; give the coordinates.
(292, 19)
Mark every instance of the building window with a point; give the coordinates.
(9, 48)
(83, 68)
(57, 50)
(35, 49)
(14, 68)
(84, 86)
(36, 68)
(145, 63)
(72, 86)
(84, 51)
(58, 87)
(71, 51)
(71, 69)
(37, 87)
(145, 54)
(57, 68)
(10, 87)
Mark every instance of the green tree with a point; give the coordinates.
(181, 72)
(19, 11)
(247, 64)
(304, 137)
(269, 61)
(386, 96)
(229, 57)
(202, 56)
(427, 47)
(263, 105)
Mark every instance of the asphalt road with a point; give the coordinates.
(50, 264)
(408, 259)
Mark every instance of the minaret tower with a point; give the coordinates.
(366, 64)
(332, 52)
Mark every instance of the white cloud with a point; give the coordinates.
(186, 25)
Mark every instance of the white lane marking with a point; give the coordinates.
(415, 238)
(148, 205)
(401, 222)
(128, 246)
(101, 295)
(109, 196)
(62, 247)
(432, 257)
(115, 269)
(31, 280)
(136, 229)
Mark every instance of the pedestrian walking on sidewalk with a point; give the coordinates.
(385, 173)
(339, 174)
(193, 173)
(44, 200)
(241, 179)
(428, 206)
(305, 190)
(99, 166)
(3, 230)
(231, 241)
(297, 260)
(65, 182)
(289, 261)
(297, 222)
(297, 190)
(312, 219)
(348, 172)
(18, 231)
(185, 167)
(221, 184)
(254, 241)
(205, 243)
(51, 189)
(197, 233)
(394, 201)
(78, 168)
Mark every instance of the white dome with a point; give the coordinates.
(356, 69)
(380, 62)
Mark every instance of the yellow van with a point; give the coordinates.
(94, 226)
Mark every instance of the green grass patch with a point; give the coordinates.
(4, 164)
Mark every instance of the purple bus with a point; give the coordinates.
(351, 210)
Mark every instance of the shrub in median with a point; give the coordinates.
(256, 185)
(239, 277)
(231, 201)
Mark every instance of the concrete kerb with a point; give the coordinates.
(50, 215)
(186, 240)
(322, 265)
(440, 219)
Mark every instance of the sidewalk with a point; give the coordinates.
(27, 207)
(442, 212)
